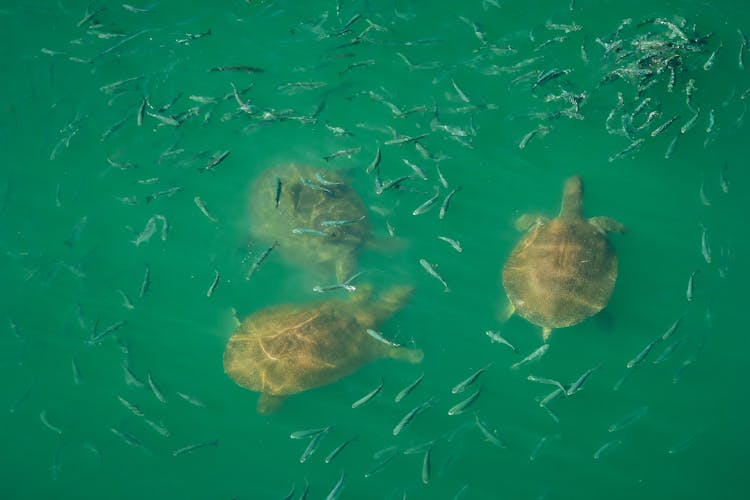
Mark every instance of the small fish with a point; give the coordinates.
(681, 445)
(380, 465)
(343, 152)
(664, 126)
(309, 433)
(317, 187)
(155, 388)
(277, 194)
(628, 419)
(539, 447)
(691, 122)
(462, 406)
(75, 234)
(447, 201)
(202, 207)
(389, 227)
(131, 379)
(375, 162)
(237, 69)
(408, 389)
(146, 283)
(193, 401)
(487, 433)
(607, 448)
(705, 247)
(21, 399)
(167, 193)
(668, 351)
(691, 286)
(538, 353)
(461, 386)
(147, 232)
(454, 243)
(193, 447)
(723, 182)
(542, 130)
(631, 148)
(166, 120)
(343, 222)
(547, 76)
(380, 338)
(578, 384)
(432, 272)
(126, 436)
(711, 121)
(409, 417)
(213, 285)
(260, 259)
(400, 141)
(369, 396)
(426, 466)
(712, 58)
(671, 147)
(416, 168)
(496, 337)
(427, 205)
(126, 302)
(215, 161)
(48, 424)
(76, 371)
(312, 446)
(134, 409)
(547, 381)
(335, 452)
(96, 338)
(642, 355)
(310, 232)
(336, 490)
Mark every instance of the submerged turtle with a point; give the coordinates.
(564, 269)
(314, 215)
(286, 349)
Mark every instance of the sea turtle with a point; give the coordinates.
(314, 215)
(564, 269)
(287, 349)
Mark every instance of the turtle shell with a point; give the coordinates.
(303, 222)
(283, 350)
(561, 273)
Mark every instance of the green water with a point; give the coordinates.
(67, 248)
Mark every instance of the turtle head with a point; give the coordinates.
(572, 202)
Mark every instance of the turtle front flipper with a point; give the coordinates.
(607, 224)
(526, 222)
(269, 403)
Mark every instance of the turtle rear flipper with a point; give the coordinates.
(607, 224)
(413, 356)
(528, 221)
(269, 403)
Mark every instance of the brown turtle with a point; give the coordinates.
(314, 215)
(287, 349)
(564, 269)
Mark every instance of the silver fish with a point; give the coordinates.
(664, 126)
(146, 283)
(607, 448)
(447, 201)
(308, 433)
(408, 389)
(454, 243)
(671, 147)
(310, 232)
(628, 419)
(461, 407)
(202, 207)
(539, 447)
(335, 452)
(691, 122)
(190, 399)
(379, 337)
(126, 302)
(432, 272)
(723, 182)
(400, 141)
(76, 371)
(158, 427)
(336, 490)
(155, 388)
(375, 162)
(48, 424)
(193, 447)
(682, 445)
(277, 195)
(128, 438)
(705, 247)
(496, 337)
(542, 130)
(487, 433)
(578, 384)
(427, 205)
(344, 222)
(668, 351)
(691, 286)
(711, 121)
(343, 152)
(380, 465)
(631, 148)
(260, 259)
(215, 160)
(547, 381)
(642, 355)
(96, 338)
(461, 386)
(369, 396)
(312, 446)
(409, 417)
(426, 467)
(416, 168)
(134, 409)
(538, 353)
(213, 285)
(712, 58)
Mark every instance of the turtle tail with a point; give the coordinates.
(572, 202)
(413, 356)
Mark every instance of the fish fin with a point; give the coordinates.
(607, 224)
(269, 403)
